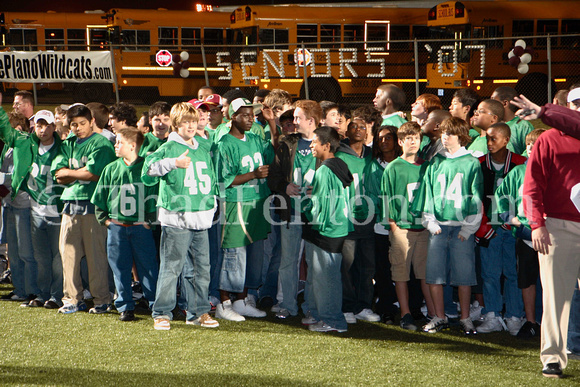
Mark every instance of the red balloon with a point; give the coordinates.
(518, 50)
(185, 64)
(530, 51)
(514, 61)
(177, 58)
(176, 69)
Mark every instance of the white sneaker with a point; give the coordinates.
(225, 311)
(251, 300)
(368, 315)
(514, 324)
(491, 323)
(245, 308)
(276, 308)
(321, 326)
(308, 319)
(475, 310)
(349, 317)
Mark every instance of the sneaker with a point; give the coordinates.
(408, 322)
(466, 325)
(226, 311)
(87, 295)
(387, 319)
(6, 277)
(283, 314)
(350, 318)
(27, 300)
(127, 315)
(100, 309)
(51, 304)
(308, 319)
(436, 324)
(552, 370)
(161, 324)
(475, 310)
(247, 307)
(572, 356)
(514, 324)
(73, 308)
(276, 308)
(34, 303)
(368, 315)
(529, 330)
(321, 326)
(13, 297)
(491, 323)
(205, 321)
(137, 290)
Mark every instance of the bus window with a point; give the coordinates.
(190, 36)
(273, 38)
(446, 35)
(522, 28)
(76, 39)
(24, 39)
(489, 32)
(54, 38)
(571, 26)
(136, 40)
(354, 32)
(306, 33)
(99, 39)
(213, 36)
(400, 32)
(242, 36)
(330, 33)
(420, 32)
(545, 27)
(168, 38)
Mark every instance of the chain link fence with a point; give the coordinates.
(344, 72)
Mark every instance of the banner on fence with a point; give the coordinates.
(62, 66)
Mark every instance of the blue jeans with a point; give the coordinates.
(324, 280)
(290, 238)
(22, 263)
(358, 270)
(215, 259)
(500, 257)
(449, 255)
(272, 257)
(574, 324)
(242, 267)
(125, 244)
(177, 247)
(45, 235)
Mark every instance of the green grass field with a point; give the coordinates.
(41, 347)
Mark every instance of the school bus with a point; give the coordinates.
(351, 49)
(134, 36)
(456, 59)
(33, 31)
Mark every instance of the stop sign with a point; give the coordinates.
(163, 58)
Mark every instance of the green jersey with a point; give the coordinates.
(328, 212)
(93, 152)
(150, 144)
(237, 157)
(509, 195)
(190, 189)
(393, 119)
(41, 186)
(121, 193)
(478, 147)
(399, 187)
(473, 134)
(356, 166)
(519, 131)
(224, 129)
(452, 188)
(373, 174)
(303, 171)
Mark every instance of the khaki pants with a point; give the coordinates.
(559, 271)
(82, 235)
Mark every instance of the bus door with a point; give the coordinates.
(97, 37)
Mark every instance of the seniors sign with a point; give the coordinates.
(61, 66)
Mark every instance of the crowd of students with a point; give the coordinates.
(218, 204)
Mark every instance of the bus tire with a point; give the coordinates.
(322, 89)
(92, 92)
(535, 86)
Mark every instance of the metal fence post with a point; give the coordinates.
(114, 73)
(304, 67)
(416, 58)
(204, 65)
(549, 53)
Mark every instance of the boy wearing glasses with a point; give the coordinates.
(488, 113)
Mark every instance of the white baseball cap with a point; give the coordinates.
(244, 102)
(44, 115)
(574, 94)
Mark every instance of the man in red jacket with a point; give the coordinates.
(552, 205)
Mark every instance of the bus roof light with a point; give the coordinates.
(459, 10)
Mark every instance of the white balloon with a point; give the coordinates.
(525, 58)
(511, 54)
(184, 73)
(521, 43)
(185, 55)
(522, 68)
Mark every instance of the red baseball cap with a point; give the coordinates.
(198, 104)
(214, 99)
